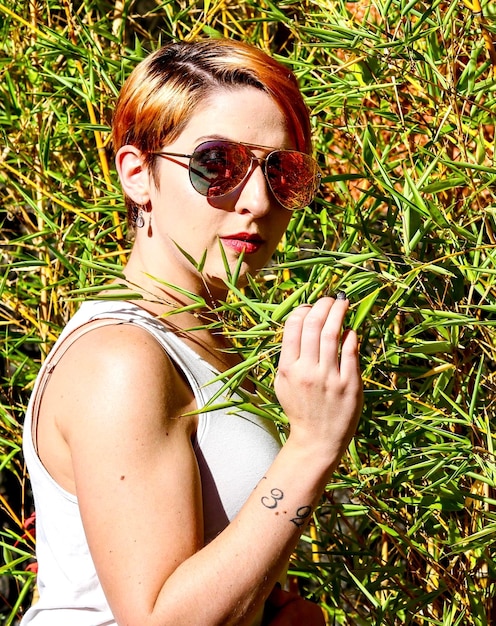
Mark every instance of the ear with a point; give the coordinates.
(133, 174)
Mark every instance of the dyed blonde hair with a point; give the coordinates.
(164, 90)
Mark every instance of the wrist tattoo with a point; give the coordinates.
(272, 502)
(302, 514)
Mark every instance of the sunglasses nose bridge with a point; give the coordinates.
(258, 162)
(259, 200)
(254, 161)
(262, 162)
(252, 165)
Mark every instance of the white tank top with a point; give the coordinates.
(234, 449)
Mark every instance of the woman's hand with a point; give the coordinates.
(318, 382)
(284, 608)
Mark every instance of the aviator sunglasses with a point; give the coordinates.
(217, 168)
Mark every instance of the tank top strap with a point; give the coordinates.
(55, 355)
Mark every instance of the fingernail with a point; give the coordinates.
(341, 295)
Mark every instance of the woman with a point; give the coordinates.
(149, 511)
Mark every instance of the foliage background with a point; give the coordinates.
(402, 94)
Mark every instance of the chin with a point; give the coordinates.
(218, 282)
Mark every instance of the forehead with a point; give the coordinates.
(243, 114)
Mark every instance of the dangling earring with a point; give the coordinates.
(140, 220)
(150, 231)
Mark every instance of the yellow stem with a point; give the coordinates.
(48, 195)
(12, 514)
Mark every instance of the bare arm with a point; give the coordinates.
(137, 481)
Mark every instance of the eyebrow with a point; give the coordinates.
(248, 144)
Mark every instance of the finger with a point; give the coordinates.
(312, 329)
(350, 367)
(291, 339)
(330, 336)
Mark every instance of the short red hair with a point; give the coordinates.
(164, 90)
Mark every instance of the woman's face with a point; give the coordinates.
(247, 220)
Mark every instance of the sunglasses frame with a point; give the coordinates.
(262, 161)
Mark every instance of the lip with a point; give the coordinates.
(249, 243)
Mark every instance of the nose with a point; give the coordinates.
(255, 197)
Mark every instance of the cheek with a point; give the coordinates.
(181, 207)
(281, 223)
(174, 185)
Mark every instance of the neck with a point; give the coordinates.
(170, 286)
(179, 307)
(189, 309)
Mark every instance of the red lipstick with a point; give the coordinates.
(243, 242)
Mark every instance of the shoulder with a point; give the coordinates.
(101, 348)
(115, 372)
(114, 391)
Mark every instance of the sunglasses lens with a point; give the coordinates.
(293, 178)
(218, 167)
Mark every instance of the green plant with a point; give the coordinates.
(402, 94)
